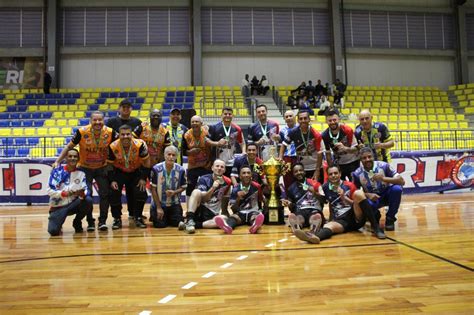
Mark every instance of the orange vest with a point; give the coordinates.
(134, 159)
(203, 158)
(155, 140)
(92, 153)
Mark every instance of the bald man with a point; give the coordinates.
(374, 135)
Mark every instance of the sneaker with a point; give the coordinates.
(257, 223)
(77, 227)
(181, 226)
(190, 229)
(117, 224)
(293, 221)
(90, 226)
(220, 222)
(139, 223)
(379, 234)
(103, 226)
(315, 222)
(307, 236)
(389, 224)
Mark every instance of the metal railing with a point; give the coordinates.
(280, 103)
(214, 112)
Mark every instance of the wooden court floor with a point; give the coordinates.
(425, 266)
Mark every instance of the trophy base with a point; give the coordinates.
(274, 216)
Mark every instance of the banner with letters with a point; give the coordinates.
(26, 180)
(21, 73)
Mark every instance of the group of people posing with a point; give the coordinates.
(223, 184)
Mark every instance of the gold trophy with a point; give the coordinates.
(273, 169)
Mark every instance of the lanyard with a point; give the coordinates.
(264, 130)
(334, 139)
(168, 177)
(244, 188)
(227, 131)
(305, 185)
(305, 141)
(155, 136)
(126, 156)
(334, 187)
(97, 139)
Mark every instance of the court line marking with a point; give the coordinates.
(226, 265)
(432, 254)
(270, 245)
(189, 285)
(283, 240)
(145, 312)
(167, 298)
(242, 257)
(254, 252)
(208, 275)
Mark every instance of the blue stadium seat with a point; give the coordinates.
(25, 115)
(39, 96)
(167, 106)
(58, 151)
(4, 115)
(15, 123)
(166, 112)
(47, 115)
(20, 141)
(28, 123)
(33, 141)
(188, 105)
(15, 116)
(41, 102)
(74, 129)
(51, 101)
(22, 108)
(36, 115)
(57, 95)
(132, 94)
(169, 99)
(38, 122)
(83, 121)
(101, 100)
(10, 152)
(29, 96)
(4, 123)
(23, 152)
(189, 99)
(89, 112)
(67, 95)
(124, 94)
(179, 99)
(71, 101)
(180, 93)
(67, 140)
(29, 102)
(140, 100)
(48, 96)
(21, 102)
(11, 109)
(76, 95)
(113, 94)
(190, 93)
(170, 94)
(104, 94)
(166, 120)
(136, 106)
(94, 107)
(2, 96)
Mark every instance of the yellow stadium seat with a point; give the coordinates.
(53, 131)
(57, 115)
(42, 131)
(61, 122)
(463, 124)
(433, 125)
(30, 131)
(49, 123)
(17, 131)
(5, 132)
(72, 123)
(443, 125)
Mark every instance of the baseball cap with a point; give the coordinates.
(125, 102)
(176, 109)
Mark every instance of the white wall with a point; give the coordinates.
(122, 70)
(400, 70)
(279, 68)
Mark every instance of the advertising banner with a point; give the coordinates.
(21, 73)
(26, 180)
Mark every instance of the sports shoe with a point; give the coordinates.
(293, 221)
(117, 224)
(77, 226)
(257, 223)
(90, 226)
(139, 223)
(103, 226)
(379, 234)
(190, 229)
(315, 222)
(389, 224)
(181, 226)
(220, 222)
(307, 236)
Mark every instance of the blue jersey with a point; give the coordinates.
(61, 182)
(205, 183)
(364, 179)
(258, 131)
(301, 197)
(243, 160)
(307, 145)
(377, 134)
(161, 181)
(233, 135)
(289, 150)
(337, 206)
(251, 201)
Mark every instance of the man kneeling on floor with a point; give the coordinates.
(348, 208)
(208, 199)
(68, 195)
(246, 202)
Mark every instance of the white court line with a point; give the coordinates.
(167, 298)
(254, 252)
(145, 313)
(189, 285)
(226, 265)
(242, 257)
(283, 240)
(292, 236)
(270, 245)
(209, 274)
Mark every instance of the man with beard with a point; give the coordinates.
(232, 134)
(304, 202)
(382, 186)
(208, 200)
(374, 135)
(348, 208)
(176, 131)
(155, 135)
(340, 139)
(264, 133)
(93, 141)
(289, 155)
(308, 144)
(251, 159)
(131, 167)
(246, 202)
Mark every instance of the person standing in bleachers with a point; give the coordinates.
(245, 86)
(254, 85)
(131, 168)
(374, 135)
(176, 131)
(93, 141)
(47, 80)
(68, 195)
(124, 118)
(232, 133)
(264, 133)
(292, 101)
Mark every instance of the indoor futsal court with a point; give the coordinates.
(424, 266)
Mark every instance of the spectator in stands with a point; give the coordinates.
(374, 135)
(246, 202)
(341, 146)
(303, 105)
(309, 88)
(265, 133)
(124, 118)
(308, 144)
(292, 101)
(68, 195)
(263, 86)
(232, 134)
(348, 208)
(325, 106)
(289, 155)
(248, 159)
(131, 167)
(210, 197)
(311, 99)
(93, 141)
(338, 99)
(176, 131)
(245, 86)
(318, 88)
(168, 181)
(327, 89)
(254, 85)
(155, 135)
(304, 202)
(47, 80)
(300, 87)
(381, 184)
(340, 87)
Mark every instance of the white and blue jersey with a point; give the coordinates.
(61, 182)
(162, 181)
(290, 150)
(364, 179)
(205, 183)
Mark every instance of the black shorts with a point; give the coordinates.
(193, 175)
(347, 169)
(203, 214)
(245, 217)
(349, 222)
(306, 213)
(173, 215)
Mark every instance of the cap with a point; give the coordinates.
(176, 109)
(125, 102)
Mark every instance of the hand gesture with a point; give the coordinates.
(114, 185)
(141, 184)
(378, 177)
(160, 213)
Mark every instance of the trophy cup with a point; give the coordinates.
(273, 169)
